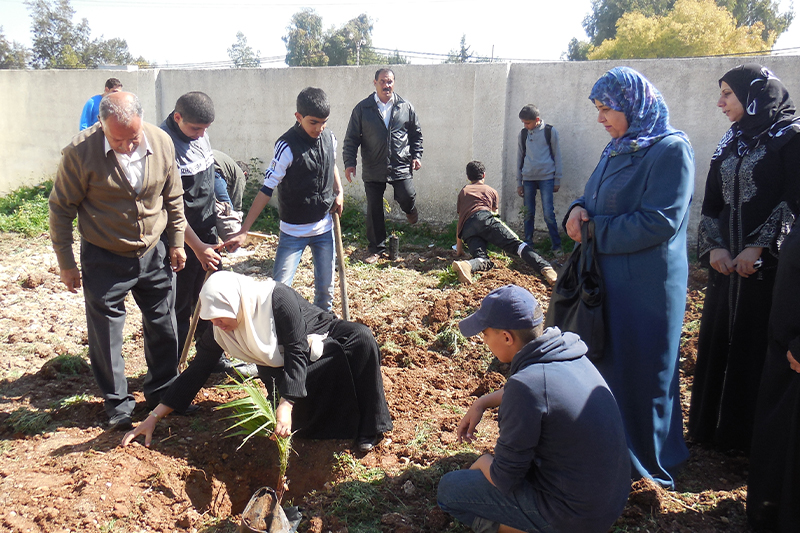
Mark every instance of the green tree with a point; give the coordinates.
(351, 43)
(242, 54)
(578, 50)
(59, 43)
(12, 54)
(462, 55)
(304, 40)
(691, 28)
(601, 23)
(396, 59)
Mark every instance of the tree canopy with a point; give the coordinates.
(462, 55)
(242, 54)
(602, 23)
(60, 43)
(304, 40)
(307, 45)
(12, 54)
(691, 28)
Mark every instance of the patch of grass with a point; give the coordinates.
(454, 409)
(69, 365)
(416, 338)
(29, 422)
(450, 338)
(447, 278)
(422, 433)
(691, 327)
(198, 424)
(423, 234)
(108, 527)
(391, 348)
(349, 465)
(354, 225)
(25, 210)
(69, 401)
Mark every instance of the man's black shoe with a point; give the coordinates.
(120, 422)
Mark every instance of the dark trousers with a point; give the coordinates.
(404, 194)
(107, 278)
(482, 229)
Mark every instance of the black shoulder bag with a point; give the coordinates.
(576, 304)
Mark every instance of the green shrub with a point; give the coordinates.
(25, 210)
(29, 422)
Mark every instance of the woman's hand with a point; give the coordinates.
(577, 216)
(743, 263)
(720, 260)
(283, 422)
(146, 428)
(793, 364)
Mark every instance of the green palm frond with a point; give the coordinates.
(254, 416)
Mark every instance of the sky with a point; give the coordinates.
(174, 32)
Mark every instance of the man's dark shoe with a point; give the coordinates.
(120, 422)
(371, 259)
(192, 409)
(413, 216)
(366, 444)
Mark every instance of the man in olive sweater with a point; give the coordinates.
(119, 177)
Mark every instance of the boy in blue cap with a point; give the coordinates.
(561, 462)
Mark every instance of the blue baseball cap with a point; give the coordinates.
(509, 307)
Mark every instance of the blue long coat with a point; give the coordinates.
(640, 205)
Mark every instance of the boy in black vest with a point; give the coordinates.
(538, 168)
(304, 171)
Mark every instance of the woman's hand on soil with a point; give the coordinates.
(146, 428)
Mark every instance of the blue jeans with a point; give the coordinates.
(545, 188)
(470, 498)
(287, 257)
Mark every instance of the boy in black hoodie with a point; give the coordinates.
(561, 462)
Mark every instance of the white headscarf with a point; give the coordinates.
(231, 295)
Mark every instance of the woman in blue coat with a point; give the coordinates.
(638, 197)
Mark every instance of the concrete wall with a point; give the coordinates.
(466, 111)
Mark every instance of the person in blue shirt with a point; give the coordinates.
(91, 109)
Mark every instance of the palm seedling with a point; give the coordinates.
(254, 416)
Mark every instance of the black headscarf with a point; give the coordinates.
(768, 109)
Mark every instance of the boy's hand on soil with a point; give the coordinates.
(466, 428)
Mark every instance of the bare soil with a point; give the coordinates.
(73, 477)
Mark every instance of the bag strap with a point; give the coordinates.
(589, 248)
(548, 135)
